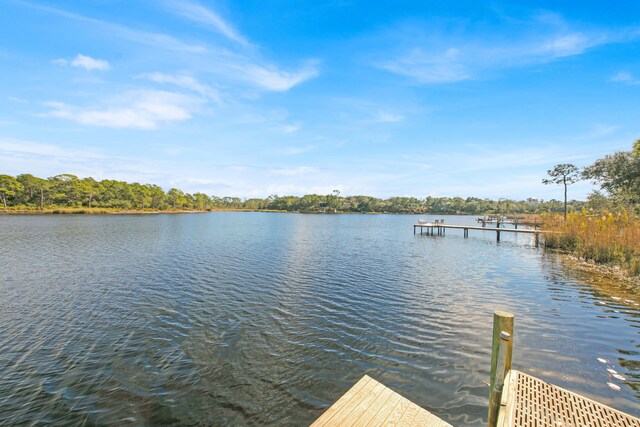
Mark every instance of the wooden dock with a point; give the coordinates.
(529, 401)
(369, 403)
(515, 399)
(439, 228)
(503, 220)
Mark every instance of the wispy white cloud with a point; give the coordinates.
(184, 81)
(84, 61)
(17, 147)
(157, 40)
(271, 78)
(49, 159)
(189, 181)
(626, 78)
(89, 63)
(429, 67)
(432, 53)
(295, 189)
(291, 128)
(601, 130)
(139, 109)
(198, 13)
(17, 100)
(239, 63)
(294, 151)
(383, 116)
(295, 171)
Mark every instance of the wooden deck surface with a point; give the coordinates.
(369, 403)
(529, 401)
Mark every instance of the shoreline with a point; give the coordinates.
(112, 211)
(609, 273)
(102, 211)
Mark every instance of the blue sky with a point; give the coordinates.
(252, 98)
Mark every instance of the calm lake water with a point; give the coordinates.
(266, 319)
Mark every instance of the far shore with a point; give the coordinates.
(101, 211)
(113, 211)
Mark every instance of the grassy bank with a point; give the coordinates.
(611, 239)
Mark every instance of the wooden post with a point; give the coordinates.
(497, 235)
(502, 323)
(495, 395)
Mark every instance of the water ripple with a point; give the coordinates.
(266, 319)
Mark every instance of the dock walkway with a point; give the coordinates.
(529, 401)
(369, 403)
(440, 228)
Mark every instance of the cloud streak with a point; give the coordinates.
(157, 40)
(295, 171)
(86, 62)
(240, 63)
(272, 79)
(184, 81)
(388, 117)
(626, 78)
(432, 53)
(198, 13)
(139, 109)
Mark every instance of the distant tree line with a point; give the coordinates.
(618, 175)
(68, 191)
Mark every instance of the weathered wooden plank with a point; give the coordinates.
(421, 418)
(343, 412)
(358, 408)
(370, 403)
(350, 394)
(409, 415)
(395, 415)
(376, 406)
(424, 418)
(380, 418)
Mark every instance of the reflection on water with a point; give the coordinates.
(256, 318)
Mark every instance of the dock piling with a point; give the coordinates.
(495, 396)
(501, 350)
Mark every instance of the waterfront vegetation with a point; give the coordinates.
(609, 238)
(70, 194)
(609, 231)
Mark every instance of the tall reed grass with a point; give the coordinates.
(608, 238)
